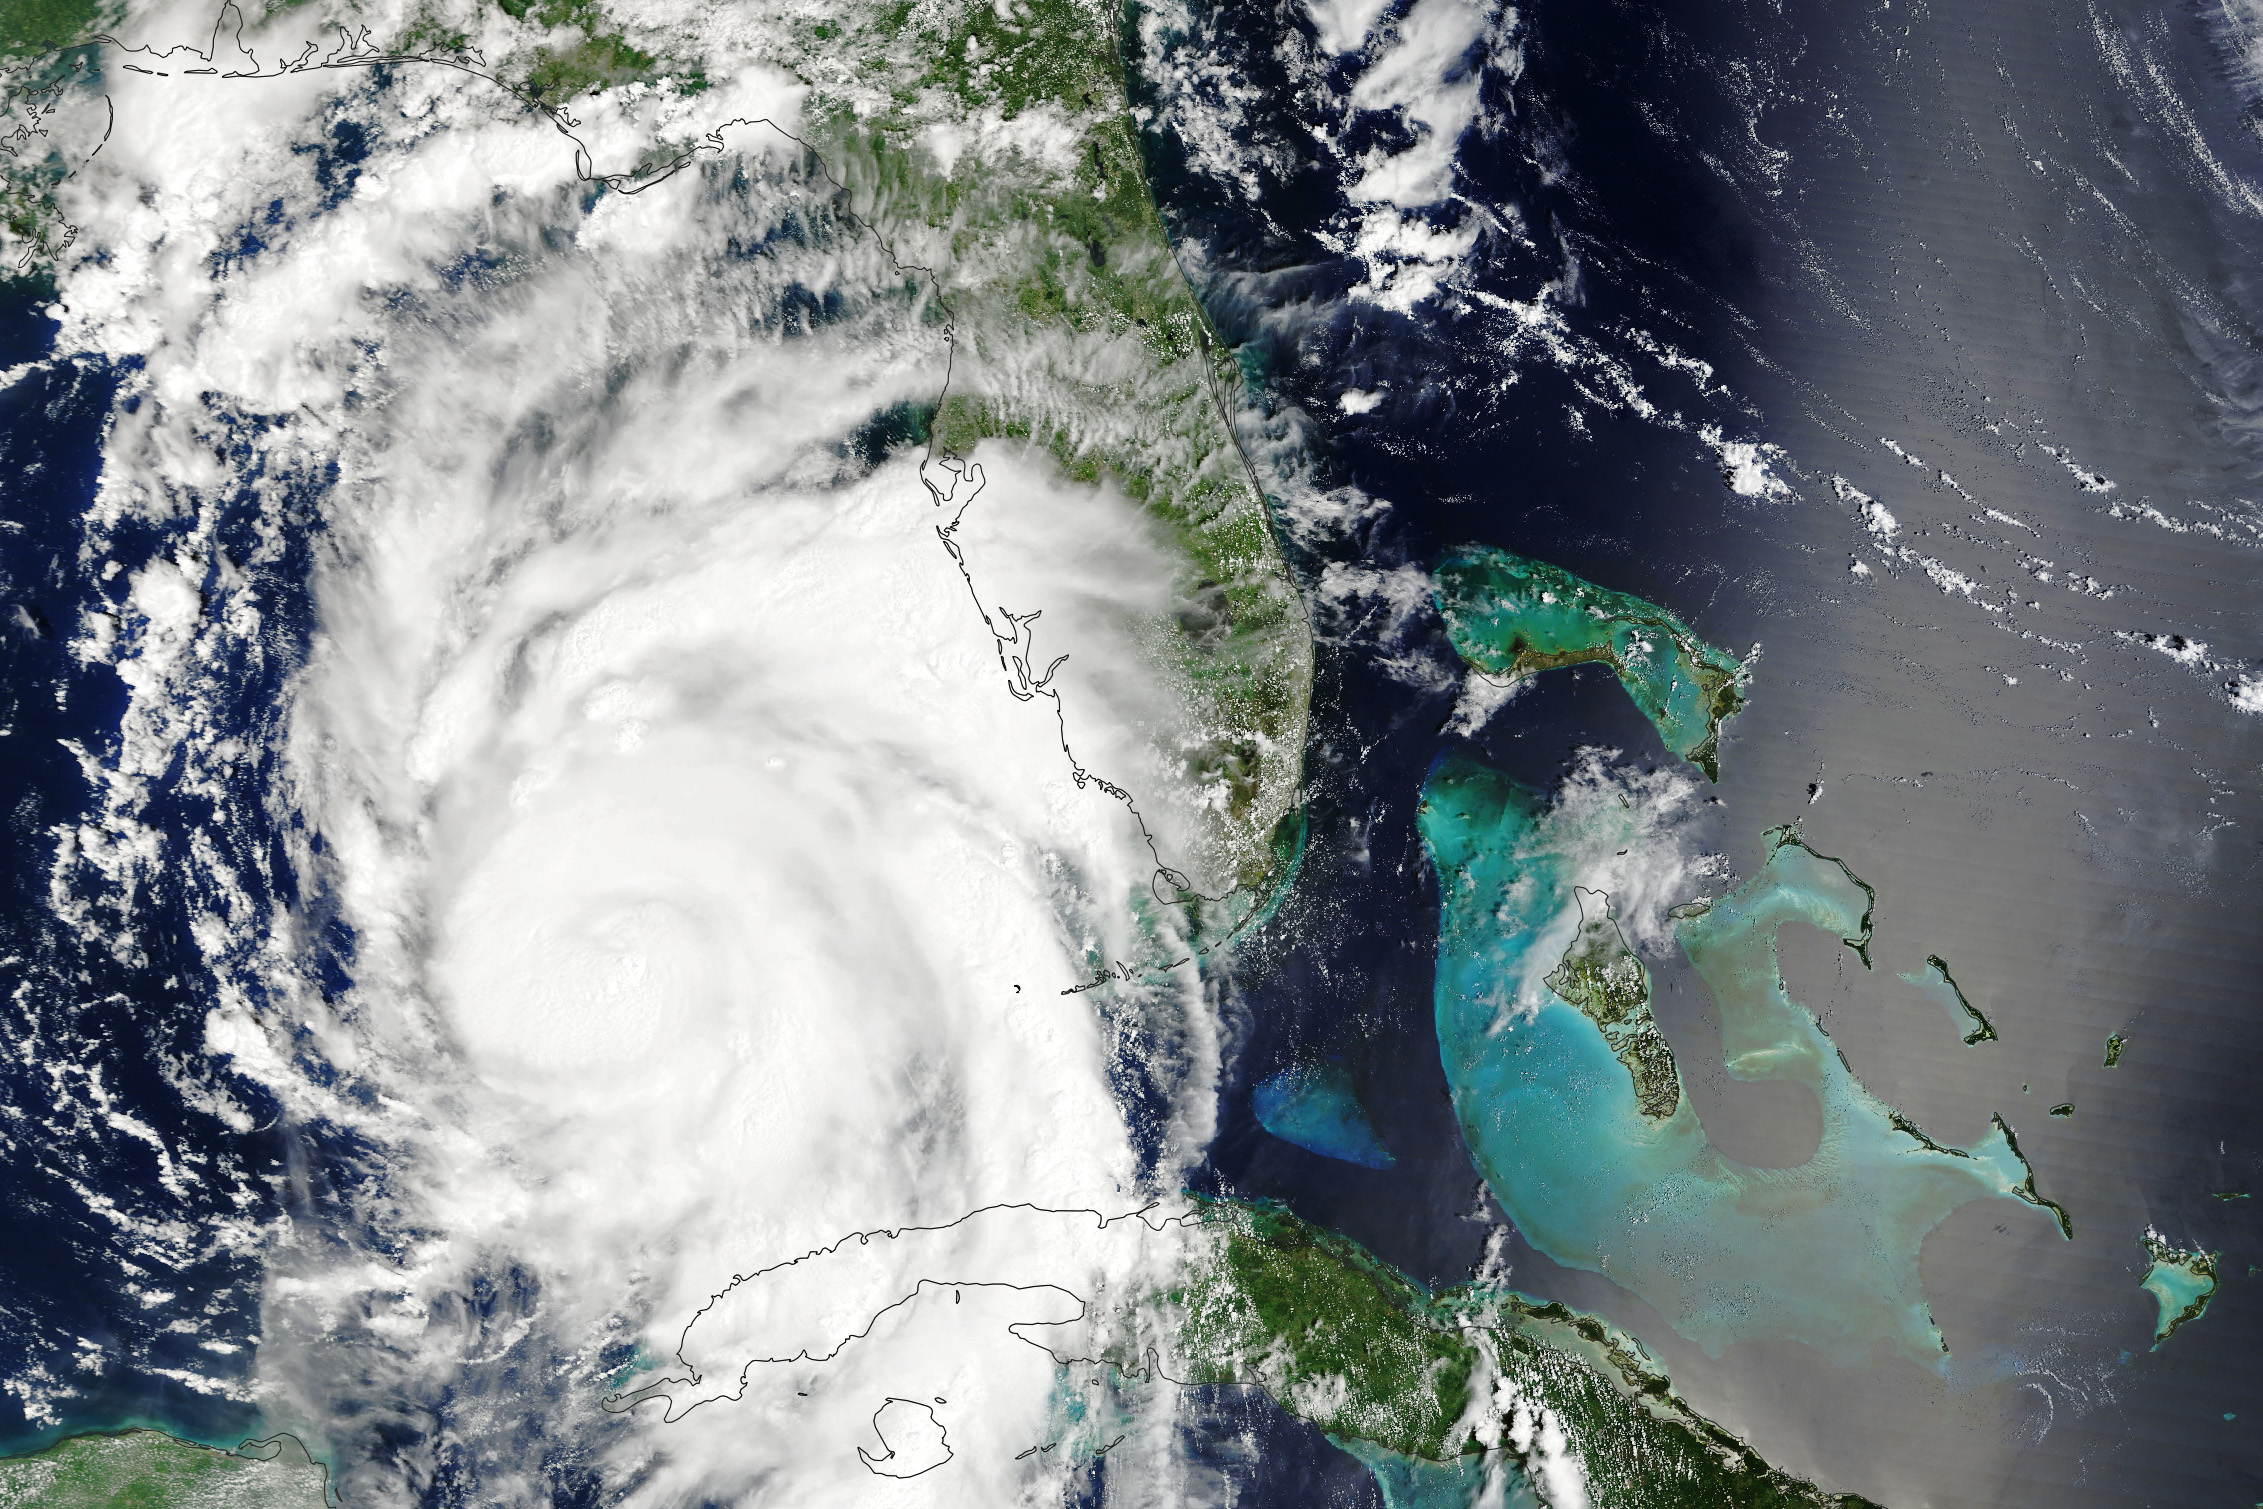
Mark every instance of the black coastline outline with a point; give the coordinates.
(1148, 1366)
(267, 1448)
(942, 1431)
(1640, 1379)
(621, 1403)
(1013, 645)
(355, 50)
(257, 1449)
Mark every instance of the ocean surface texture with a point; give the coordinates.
(1384, 753)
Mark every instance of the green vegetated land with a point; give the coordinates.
(558, 50)
(2025, 1188)
(1602, 977)
(598, 58)
(1360, 1350)
(1076, 333)
(2182, 1281)
(36, 26)
(1510, 617)
(147, 1469)
(990, 145)
(1982, 1030)
(43, 58)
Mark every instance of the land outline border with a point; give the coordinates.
(356, 51)
(1725, 1445)
(1150, 1364)
(243, 1449)
(942, 1435)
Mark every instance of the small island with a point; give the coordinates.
(1971, 1023)
(1511, 617)
(2181, 1282)
(2114, 1046)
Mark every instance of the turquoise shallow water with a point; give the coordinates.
(1824, 1253)
(1504, 612)
(2177, 1287)
(1411, 1483)
(1934, 983)
(1316, 1107)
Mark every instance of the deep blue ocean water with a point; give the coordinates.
(1924, 262)
(113, 1019)
(1901, 271)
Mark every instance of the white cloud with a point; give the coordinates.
(1343, 25)
(1481, 697)
(1748, 466)
(1875, 516)
(1425, 70)
(712, 895)
(2086, 479)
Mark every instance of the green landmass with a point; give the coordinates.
(1510, 617)
(1647, 1450)
(1077, 334)
(147, 1469)
(556, 52)
(2025, 1187)
(2063, 1109)
(1982, 1030)
(1945, 989)
(582, 51)
(1786, 836)
(1337, 1337)
(1602, 977)
(30, 27)
(990, 145)
(2181, 1281)
(1390, 1370)
(44, 65)
(2114, 1046)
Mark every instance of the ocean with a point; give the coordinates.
(1978, 285)
(1906, 352)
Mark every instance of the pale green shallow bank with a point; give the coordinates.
(2181, 1281)
(1510, 617)
(1604, 1165)
(147, 1469)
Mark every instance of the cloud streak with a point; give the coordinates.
(708, 894)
